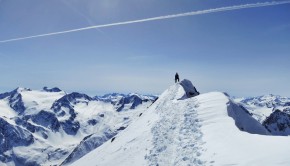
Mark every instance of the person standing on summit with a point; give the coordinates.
(176, 77)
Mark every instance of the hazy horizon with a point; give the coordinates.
(242, 52)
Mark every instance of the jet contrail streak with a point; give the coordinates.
(200, 12)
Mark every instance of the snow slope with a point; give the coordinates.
(262, 106)
(49, 126)
(208, 129)
(272, 111)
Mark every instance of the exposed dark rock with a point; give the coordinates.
(113, 139)
(46, 119)
(132, 100)
(55, 89)
(92, 122)
(278, 123)
(13, 136)
(70, 127)
(121, 128)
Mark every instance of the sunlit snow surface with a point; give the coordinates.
(208, 129)
(262, 106)
(44, 141)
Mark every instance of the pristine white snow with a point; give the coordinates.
(203, 130)
(6, 110)
(35, 100)
(225, 144)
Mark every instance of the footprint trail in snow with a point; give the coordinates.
(177, 138)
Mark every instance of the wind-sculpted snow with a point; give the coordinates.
(208, 129)
(244, 121)
(181, 127)
(168, 133)
(190, 90)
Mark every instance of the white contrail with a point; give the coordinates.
(88, 20)
(221, 9)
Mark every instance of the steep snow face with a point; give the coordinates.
(225, 144)
(262, 106)
(6, 110)
(244, 120)
(208, 129)
(155, 137)
(270, 110)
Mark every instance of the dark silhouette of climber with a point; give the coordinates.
(176, 77)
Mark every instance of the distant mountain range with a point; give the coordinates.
(273, 111)
(52, 127)
(184, 127)
(49, 126)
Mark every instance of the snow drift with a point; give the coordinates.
(208, 129)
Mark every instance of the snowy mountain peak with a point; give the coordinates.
(39, 120)
(20, 89)
(181, 128)
(125, 102)
(278, 123)
(269, 101)
(148, 140)
(110, 95)
(14, 92)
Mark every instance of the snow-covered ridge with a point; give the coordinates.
(181, 127)
(208, 129)
(49, 116)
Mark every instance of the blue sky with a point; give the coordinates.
(243, 52)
